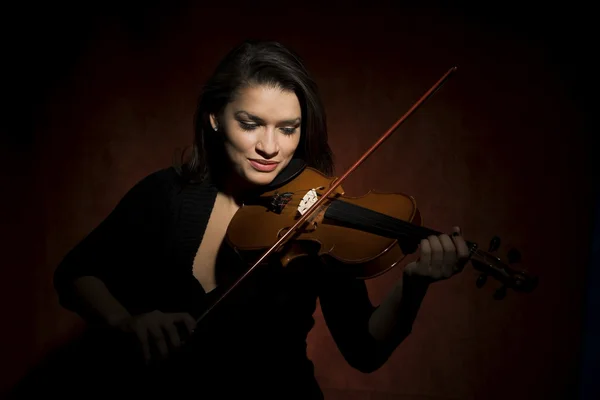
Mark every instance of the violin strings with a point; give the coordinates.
(383, 224)
(393, 227)
(378, 223)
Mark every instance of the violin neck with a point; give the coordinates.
(364, 219)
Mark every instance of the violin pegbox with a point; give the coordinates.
(310, 198)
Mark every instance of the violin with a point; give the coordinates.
(362, 236)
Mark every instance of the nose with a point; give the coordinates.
(267, 145)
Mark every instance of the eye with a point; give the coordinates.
(247, 127)
(289, 131)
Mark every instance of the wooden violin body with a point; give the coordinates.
(359, 233)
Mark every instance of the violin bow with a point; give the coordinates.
(285, 237)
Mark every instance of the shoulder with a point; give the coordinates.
(164, 177)
(158, 184)
(168, 183)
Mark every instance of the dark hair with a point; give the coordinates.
(258, 62)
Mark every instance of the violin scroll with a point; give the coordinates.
(494, 245)
(490, 265)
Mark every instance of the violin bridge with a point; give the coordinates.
(307, 201)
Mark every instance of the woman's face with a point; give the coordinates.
(262, 131)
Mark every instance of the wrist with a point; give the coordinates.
(416, 280)
(114, 320)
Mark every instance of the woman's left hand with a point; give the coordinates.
(441, 257)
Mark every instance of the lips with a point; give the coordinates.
(263, 165)
(265, 162)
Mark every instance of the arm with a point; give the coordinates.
(104, 261)
(393, 320)
(92, 300)
(367, 335)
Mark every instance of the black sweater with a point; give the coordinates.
(144, 252)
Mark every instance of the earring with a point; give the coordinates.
(216, 128)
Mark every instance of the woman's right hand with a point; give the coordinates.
(157, 329)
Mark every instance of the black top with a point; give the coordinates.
(144, 251)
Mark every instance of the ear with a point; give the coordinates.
(213, 122)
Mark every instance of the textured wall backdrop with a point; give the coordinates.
(104, 96)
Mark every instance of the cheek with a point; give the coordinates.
(239, 143)
(291, 145)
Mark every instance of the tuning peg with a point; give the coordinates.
(481, 280)
(494, 244)
(500, 293)
(513, 256)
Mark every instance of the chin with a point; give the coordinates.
(261, 178)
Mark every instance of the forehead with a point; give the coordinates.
(266, 102)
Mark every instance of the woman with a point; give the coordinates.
(158, 259)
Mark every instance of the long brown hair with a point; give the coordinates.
(257, 62)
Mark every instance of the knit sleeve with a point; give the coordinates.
(347, 310)
(113, 250)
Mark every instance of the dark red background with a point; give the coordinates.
(98, 98)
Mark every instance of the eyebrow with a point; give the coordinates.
(259, 120)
